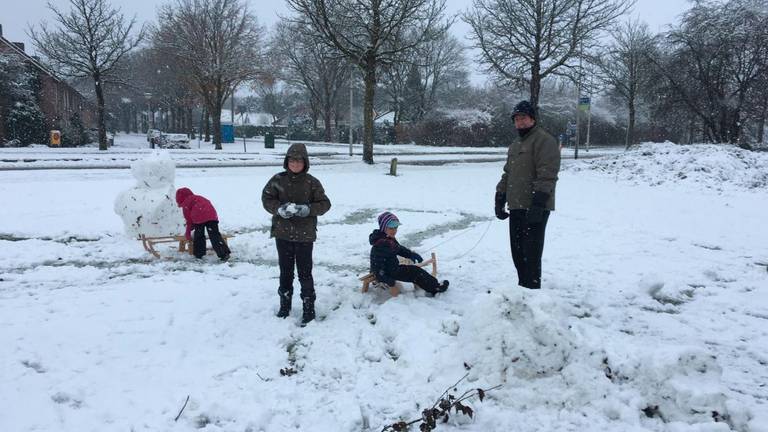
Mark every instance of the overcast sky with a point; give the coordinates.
(19, 14)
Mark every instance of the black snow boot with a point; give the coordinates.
(443, 286)
(285, 307)
(309, 311)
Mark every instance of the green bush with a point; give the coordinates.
(74, 133)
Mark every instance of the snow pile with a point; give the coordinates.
(706, 165)
(149, 207)
(518, 338)
(679, 384)
(545, 356)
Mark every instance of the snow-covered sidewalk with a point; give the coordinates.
(652, 317)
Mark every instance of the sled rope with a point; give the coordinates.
(482, 236)
(487, 227)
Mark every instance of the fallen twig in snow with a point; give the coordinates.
(182, 409)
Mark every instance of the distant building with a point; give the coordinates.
(58, 100)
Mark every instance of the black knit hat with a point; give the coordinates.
(524, 107)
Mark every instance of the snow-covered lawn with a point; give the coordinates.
(132, 147)
(653, 316)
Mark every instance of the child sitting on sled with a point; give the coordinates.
(200, 215)
(384, 263)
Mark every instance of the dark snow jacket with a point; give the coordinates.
(532, 165)
(301, 188)
(384, 252)
(196, 208)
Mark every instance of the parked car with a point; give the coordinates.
(153, 137)
(174, 141)
(11, 143)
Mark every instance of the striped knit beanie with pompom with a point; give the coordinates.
(387, 218)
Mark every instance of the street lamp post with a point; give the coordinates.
(351, 111)
(150, 119)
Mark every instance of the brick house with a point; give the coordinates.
(58, 100)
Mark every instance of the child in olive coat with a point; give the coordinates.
(295, 199)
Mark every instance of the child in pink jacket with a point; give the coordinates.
(200, 216)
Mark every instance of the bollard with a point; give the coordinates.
(393, 167)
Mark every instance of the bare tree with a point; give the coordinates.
(371, 34)
(90, 40)
(457, 91)
(272, 96)
(716, 58)
(443, 57)
(413, 84)
(395, 83)
(625, 67)
(217, 43)
(525, 41)
(314, 67)
(758, 102)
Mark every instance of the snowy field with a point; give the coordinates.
(653, 314)
(129, 148)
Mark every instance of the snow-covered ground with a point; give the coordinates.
(653, 315)
(132, 147)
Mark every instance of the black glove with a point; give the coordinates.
(416, 257)
(501, 200)
(535, 214)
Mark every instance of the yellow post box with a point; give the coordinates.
(55, 138)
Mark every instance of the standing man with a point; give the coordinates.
(527, 187)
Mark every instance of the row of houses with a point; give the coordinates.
(58, 100)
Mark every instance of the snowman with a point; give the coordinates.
(149, 207)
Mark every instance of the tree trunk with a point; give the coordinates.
(190, 131)
(631, 125)
(735, 128)
(100, 112)
(327, 121)
(208, 125)
(761, 124)
(370, 88)
(202, 121)
(315, 114)
(125, 118)
(691, 125)
(535, 86)
(216, 123)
